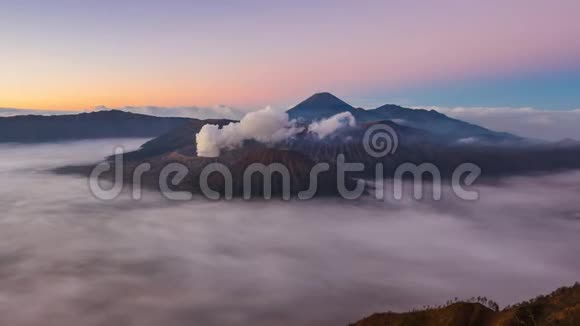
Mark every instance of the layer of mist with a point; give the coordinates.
(67, 258)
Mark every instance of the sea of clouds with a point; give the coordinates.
(69, 259)
(553, 125)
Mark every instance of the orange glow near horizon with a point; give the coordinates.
(78, 56)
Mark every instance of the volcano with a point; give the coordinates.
(323, 105)
(421, 136)
(320, 106)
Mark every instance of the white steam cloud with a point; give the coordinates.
(266, 126)
(327, 127)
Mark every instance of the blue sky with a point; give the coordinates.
(552, 90)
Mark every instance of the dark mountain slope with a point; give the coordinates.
(320, 106)
(302, 152)
(457, 314)
(237, 160)
(437, 123)
(179, 138)
(323, 105)
(94, 125)
(419, 146)
(562, 307)
(299, 167)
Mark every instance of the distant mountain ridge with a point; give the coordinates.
(324, 105)
(93, 125)
(121, 124)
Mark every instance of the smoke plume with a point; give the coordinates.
(327, 127)
(266, 126)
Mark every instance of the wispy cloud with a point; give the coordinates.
(216, 112)
(327, 127)
(527, 122)
(9, 112)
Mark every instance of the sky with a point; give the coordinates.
(74, 55)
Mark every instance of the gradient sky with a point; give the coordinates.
(79, 54)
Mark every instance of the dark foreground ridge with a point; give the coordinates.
(561, 307)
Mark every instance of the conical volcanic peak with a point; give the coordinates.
(319, 106)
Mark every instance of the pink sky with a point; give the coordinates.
(75, 55)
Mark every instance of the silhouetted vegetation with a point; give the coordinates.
(561, 307)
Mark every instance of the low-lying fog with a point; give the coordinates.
(69, 259)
